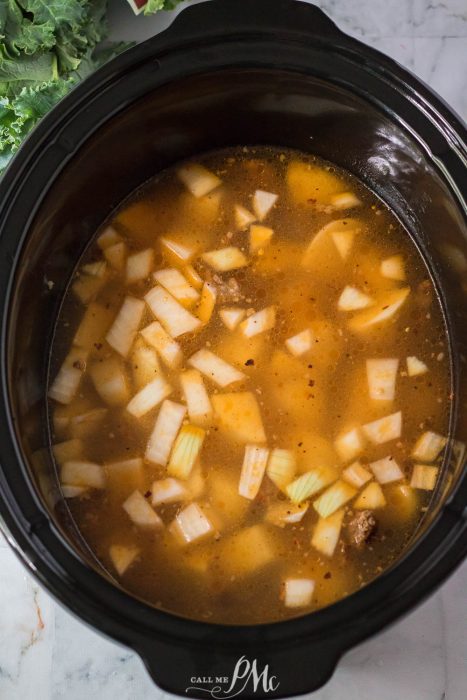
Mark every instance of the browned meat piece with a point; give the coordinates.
(228, 291)
(361, 528)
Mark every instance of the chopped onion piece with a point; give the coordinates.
(198, 179)
(144, 364)
(309, 483)
(177, 285)
(386, 470)
(283, 513)
(116, 256)
(343, 240)
(428, 446)
(85, 423)
(415, 366)
(387, 305)
(343, 228)
(327, 532)
(186, 450)
(192, 276)
(87, 285)
(349, 444)
(371, 497)
(93, 327)
(381, 376)
(215, 368)
(333, 498)
(168, 491)
(238, 416)
(243, 217)
(191, 524)
(424, 477)
(281, 467)
(253, 468)
(95, 269)
(263, 202)
(149, 397)
(110, 381)
(353, 299)
(260, 237)
(68, 451)
(207, 302)
(122, 557)
(162, 438)
(108, 237)
(259, 322)
(78, 473)
(196, 397)
(225, 259)
(345, 200)
(384, 429)
(139, 266)
(393, 268)
(173, 316)
(125, 471)
(74, 491)
(123, 330)
(175, 252)
(68, 379)
(231, 316)
(298, 592)
(140, 512)
(356, 475)
(301, 343)
(169, 350)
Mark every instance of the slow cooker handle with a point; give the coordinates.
(253, 16)
(253, 670)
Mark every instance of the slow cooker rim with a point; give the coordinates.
(128, 60)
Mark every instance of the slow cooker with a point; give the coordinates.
(226, 72)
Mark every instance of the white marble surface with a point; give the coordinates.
(45, 654)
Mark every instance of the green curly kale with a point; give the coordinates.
(46, 47)
(156, 5)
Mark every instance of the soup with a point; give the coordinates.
(250, 388)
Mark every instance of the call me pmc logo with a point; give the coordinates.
(246, 675)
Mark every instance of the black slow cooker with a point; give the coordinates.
(226, 72)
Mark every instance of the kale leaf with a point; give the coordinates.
(46, 48)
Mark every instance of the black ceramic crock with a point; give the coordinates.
(226, 72)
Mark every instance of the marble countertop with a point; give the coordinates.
(46, 654)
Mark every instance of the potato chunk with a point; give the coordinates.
(311, 184)
(239, 417)
(247, 551)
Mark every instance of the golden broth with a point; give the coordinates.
(324, 318)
